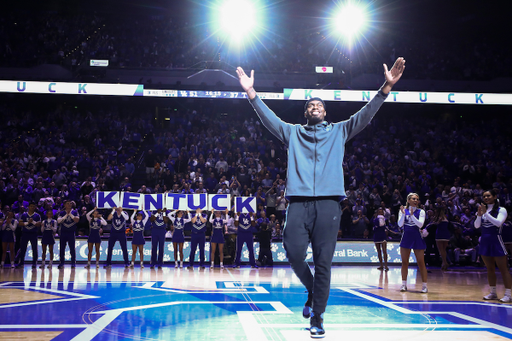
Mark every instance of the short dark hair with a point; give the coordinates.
(313, 99)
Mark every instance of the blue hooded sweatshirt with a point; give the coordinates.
(315, 153)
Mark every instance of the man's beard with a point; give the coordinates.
(314, 120)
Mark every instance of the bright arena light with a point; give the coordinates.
(237, 18)
(350, 20)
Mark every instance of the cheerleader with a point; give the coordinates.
(490, 217)
(158, 227)
(119, 220)
(8, 238)
(178, 239)
(198, 238)
(443, 236)
(218, 227)
(138, 236)
(30, 222)
(245, 228)
(96, 221)
(48, 229)
(380, 238)
(412, 219)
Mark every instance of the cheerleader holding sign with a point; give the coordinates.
(219, 228)
(138, 241)
(178, 220)
(95, 230)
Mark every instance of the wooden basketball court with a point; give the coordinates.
(244, 304)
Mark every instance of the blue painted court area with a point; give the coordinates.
(229, 305)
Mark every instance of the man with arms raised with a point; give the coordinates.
(315, 184)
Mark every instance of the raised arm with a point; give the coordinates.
(132, 218)
(392, 76)
(360, 120)
(111, 215)
(146, 217)
(187, 219)
(88, 215)
(274, 124)
(201, 218)
(103, 221)
(172, 216)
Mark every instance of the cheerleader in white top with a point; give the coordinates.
(490, 218)
(219, 229)
(138, 224)
(96, 221)
(48, 229)
(178, 219)
(412, 218)
(8, 237)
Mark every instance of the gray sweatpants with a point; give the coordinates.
(315, 220)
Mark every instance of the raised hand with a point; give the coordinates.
(393, 75)
(246, 82)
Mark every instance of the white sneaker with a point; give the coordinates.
(491, 296)
(181, 264)
(131, 265)
(142, 265)
(424, 290)
(222, 267)
(506, 299)
(50, 266)
(97, 265)
(176, 265)
(88, 266)
(403, 288)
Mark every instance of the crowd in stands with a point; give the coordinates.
(169, 41)
(51, 157)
